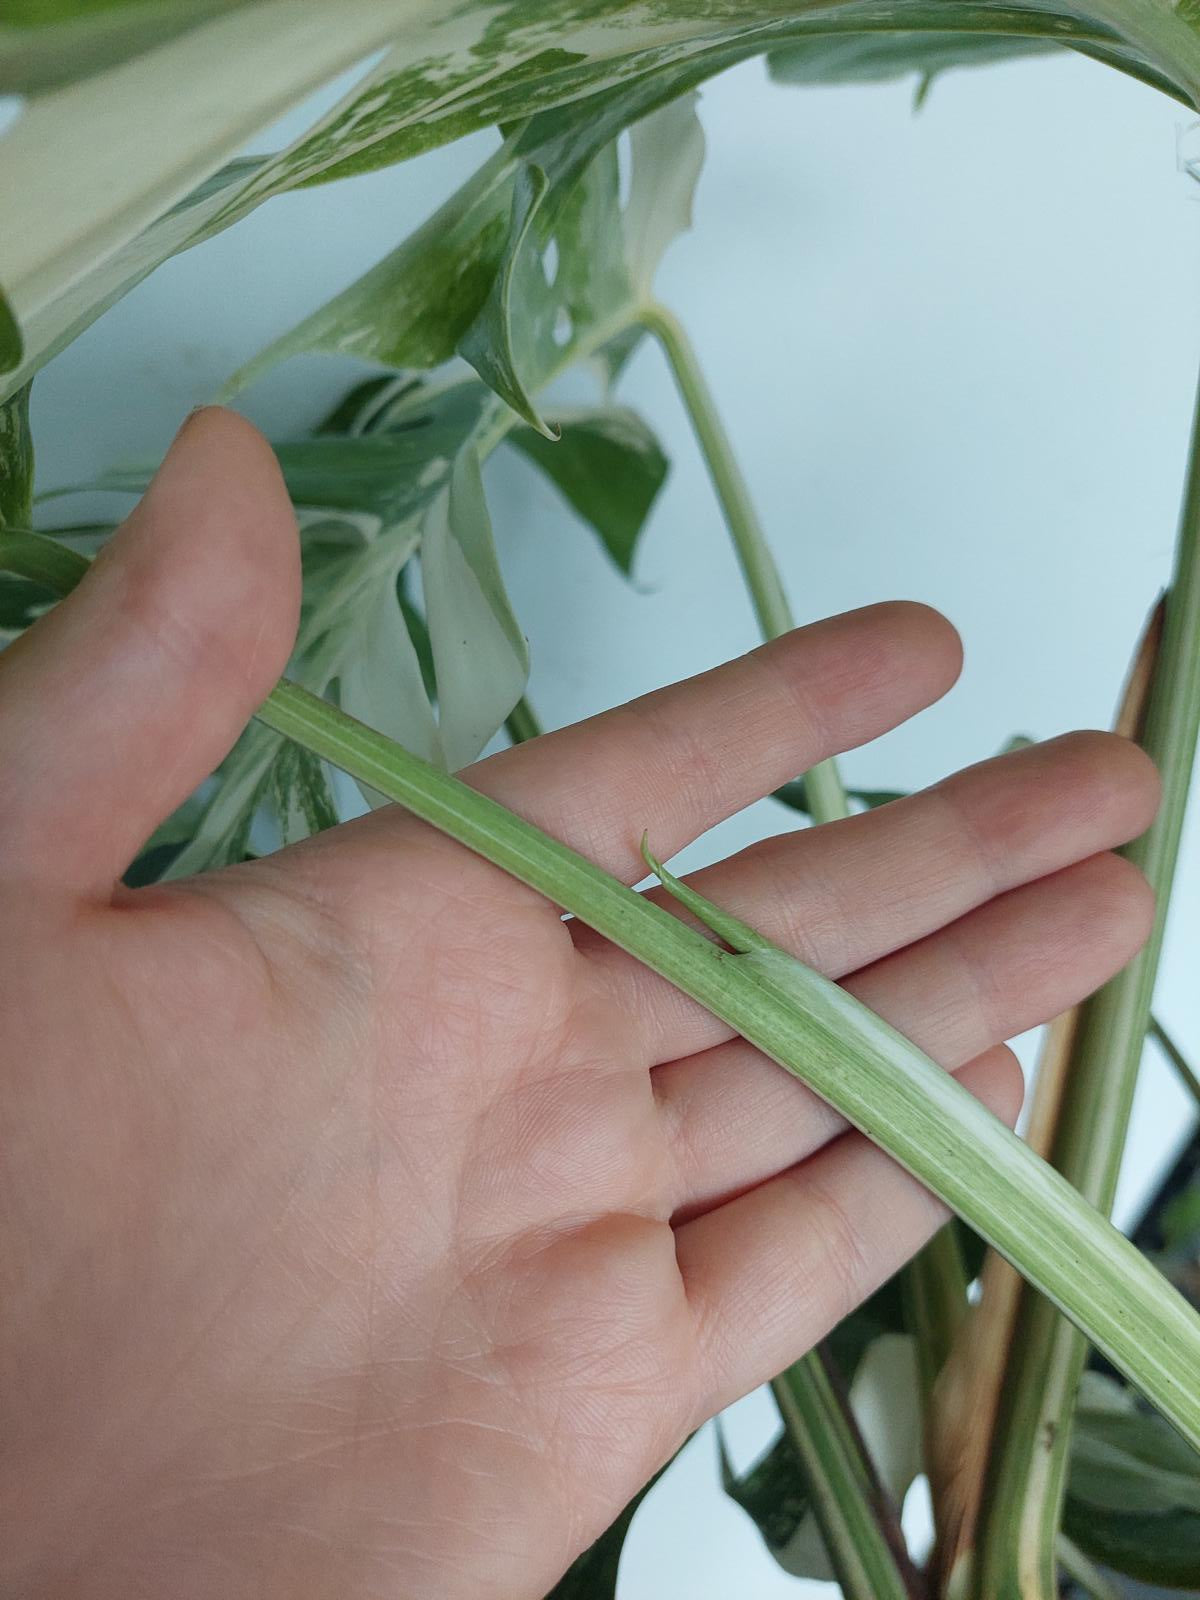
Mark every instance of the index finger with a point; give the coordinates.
(681, 759)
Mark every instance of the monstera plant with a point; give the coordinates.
(1045, 1463)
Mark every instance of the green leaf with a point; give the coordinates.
(935, 40)
(879, 58)
(1160, 1550)
(41, 559)
(16, 461)
(774, 1494)
(380, 680)
(1117, 1433)
(1181, 1223)
(11, 345)
(480, 656)
(1133, 1492)
(561, 54)
(358, 408)
(22, 602)
(504, 322)
(608, 466)
(418, 472)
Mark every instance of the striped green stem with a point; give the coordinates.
(1017, 1554)
(872, 1075)
(860, 1527)
(826, 797)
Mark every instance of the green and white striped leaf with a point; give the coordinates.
(533, 263)
(368, 505)
(302, 796)
(565, 198)
(413, 307)
(104, 178)
(480, 656)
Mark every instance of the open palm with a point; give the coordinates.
(370, 1230)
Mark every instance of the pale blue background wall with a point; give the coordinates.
(956, 353)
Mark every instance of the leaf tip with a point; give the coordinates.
(651, 860)
(12, 345)
(664, 875)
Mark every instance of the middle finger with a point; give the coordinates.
(733, 1118)
(849, 893)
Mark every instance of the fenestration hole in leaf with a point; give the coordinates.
(562, 327)
(550, 262)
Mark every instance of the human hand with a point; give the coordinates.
(369, 1230)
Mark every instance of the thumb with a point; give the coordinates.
(115, 705)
